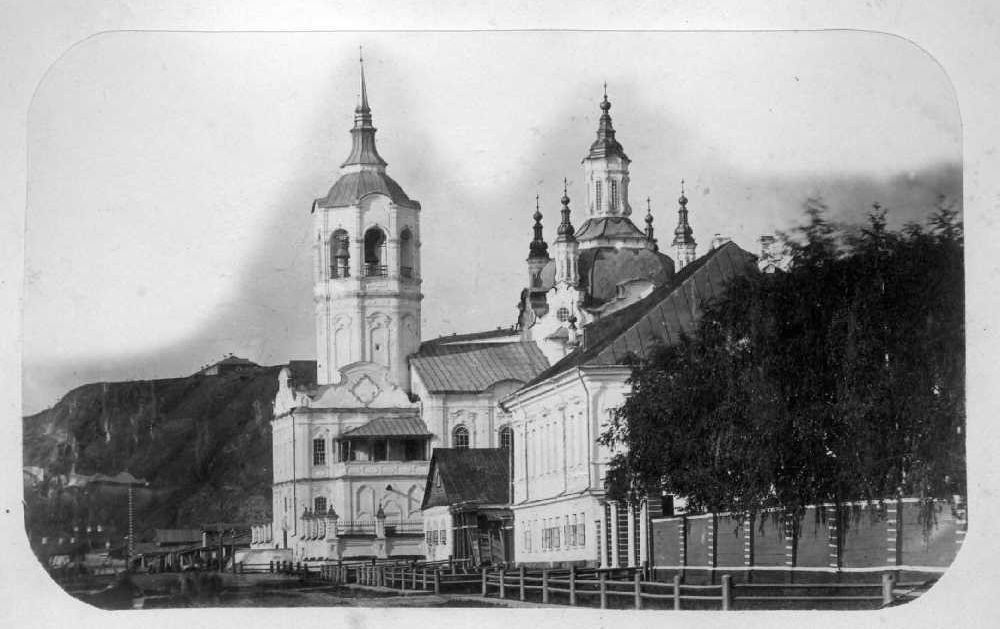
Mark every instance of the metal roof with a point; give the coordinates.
(352, 187)
(390, 427)
(475, 367)
(609, 227)
(468, 475)
(660, 317)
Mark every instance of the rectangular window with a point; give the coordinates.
(597, 196)
(413, 450)
(443, 536)
(582, 532)
(614, 194)
(380, 450)
(319, 451)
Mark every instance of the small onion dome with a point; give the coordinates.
(565, 230)
(538, 249)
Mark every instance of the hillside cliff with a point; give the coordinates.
(202, 442)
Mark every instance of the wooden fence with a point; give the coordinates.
(601, 588)
(617, 588)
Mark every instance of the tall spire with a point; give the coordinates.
(649, 226)
(539, 249)
(565, 231)
(363, 107)
(363, 151)
(605, 145)
(684, 243)
(683, 232)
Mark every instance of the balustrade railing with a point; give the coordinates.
(376, 270)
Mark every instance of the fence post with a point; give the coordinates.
(604, 590)
(413, 577)
(437, 580)
(888, 580)
(545, 586)
(423, 572)
(572, 585)
(638, 589)
(484, 581)
(677, 591)
(727, 592)
(503, 584)
(522, 581)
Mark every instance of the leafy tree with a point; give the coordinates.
(839, 379)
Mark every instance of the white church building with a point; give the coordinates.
(353, 432)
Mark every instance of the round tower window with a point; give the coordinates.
(562, 314)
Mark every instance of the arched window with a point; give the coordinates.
(460, 437)
(319, 504)
(614, 195)
(375, 253)
(406, 253)
(340, 254)
(507, 438)
(597, 196)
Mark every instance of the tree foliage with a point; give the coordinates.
(841, 378)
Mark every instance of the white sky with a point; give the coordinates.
(171, 175)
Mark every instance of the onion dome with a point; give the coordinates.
(539, 249)
(683, 234)
(565, 231)
(606, 145)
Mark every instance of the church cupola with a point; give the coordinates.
(684, 244)
(606, 168)
(650, 239)
(538, 254)
(363, 151)
(566, 247)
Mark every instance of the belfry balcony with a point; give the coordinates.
(376, 270)
(339, 272)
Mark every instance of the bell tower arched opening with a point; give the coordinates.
(375, 253)
(340, 254)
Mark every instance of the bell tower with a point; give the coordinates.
(366, 271)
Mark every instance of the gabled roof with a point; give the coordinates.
(177, 536)
(390, 427)
(475, 367)
(236, 360)
(660, 317)
(352, 187)
(468, 475)
(121, 478)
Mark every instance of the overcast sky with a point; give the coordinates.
(171, 175)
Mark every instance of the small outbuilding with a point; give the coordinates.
(466, 508)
